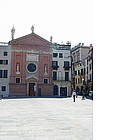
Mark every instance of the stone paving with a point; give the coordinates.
(46, 119)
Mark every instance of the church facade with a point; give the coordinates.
(31, 66)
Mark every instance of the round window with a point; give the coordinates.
(31, 67)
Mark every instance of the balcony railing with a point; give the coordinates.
(62, 79)
(66, 67)
(55, 67)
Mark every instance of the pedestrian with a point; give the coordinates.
(74, 95)
(83, 96)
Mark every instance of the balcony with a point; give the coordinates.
(89, 81)
(67, 67)
(55, 67)
(81, 74)
(61, 79)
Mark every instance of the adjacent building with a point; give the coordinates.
(79, 52)
(61, 65)
(82, 67)
(90, 68)
(5, 64)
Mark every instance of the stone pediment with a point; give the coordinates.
(32, 78)
(30, 39)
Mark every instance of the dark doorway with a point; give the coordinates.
(63, 91)
(31, 89)
(55, 90)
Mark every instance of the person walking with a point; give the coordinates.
(83, 95)
(74, 95)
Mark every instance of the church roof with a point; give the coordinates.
(30, 39)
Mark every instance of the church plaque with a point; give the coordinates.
(32, 57)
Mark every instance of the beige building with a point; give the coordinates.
(81, 76)
(80, 66)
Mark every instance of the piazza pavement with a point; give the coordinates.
(46, 119)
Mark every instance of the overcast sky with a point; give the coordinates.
(65, 20)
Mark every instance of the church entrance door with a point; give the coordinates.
(31, 89)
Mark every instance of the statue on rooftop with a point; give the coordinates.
(51, 39)
(12, 32)
(32, 29)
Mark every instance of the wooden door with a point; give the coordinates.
(31, 89)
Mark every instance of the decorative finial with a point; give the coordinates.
(51, 39)
(12, 32)
(32, 29)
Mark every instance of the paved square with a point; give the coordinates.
(46, 119)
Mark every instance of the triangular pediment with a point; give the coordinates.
(30, 39)
(32, 78)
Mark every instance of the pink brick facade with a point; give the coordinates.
(31, 71)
